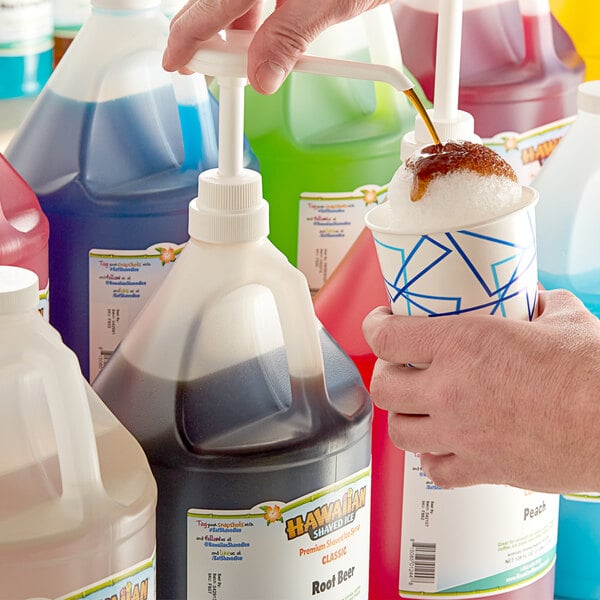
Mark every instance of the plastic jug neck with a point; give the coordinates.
(125, 5)
(19, 290)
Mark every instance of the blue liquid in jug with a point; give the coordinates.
(577, 572)
(233, 439)
(109, 175)
(24, 75)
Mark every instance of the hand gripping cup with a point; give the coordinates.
(457, 236)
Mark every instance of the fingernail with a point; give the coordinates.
(269, 77)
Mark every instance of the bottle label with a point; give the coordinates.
(26, 27)
(526, 152)
(472, 542)
(314, 547)
(328, 225)
(120, 284)
(135, 583)
(583, 497)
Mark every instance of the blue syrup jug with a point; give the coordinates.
(26, 45)
(569, 257)
(113, 149)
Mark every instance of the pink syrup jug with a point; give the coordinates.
(24, 229)
(519, 68)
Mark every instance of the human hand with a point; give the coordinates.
(503, 401)
(278, 42)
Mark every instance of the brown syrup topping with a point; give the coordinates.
(450, 157)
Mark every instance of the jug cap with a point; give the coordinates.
(19, 290)
(461, 127)
(588, 97)
(229, 209)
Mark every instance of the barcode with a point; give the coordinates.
(423, 562)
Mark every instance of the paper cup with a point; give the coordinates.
(488, 267)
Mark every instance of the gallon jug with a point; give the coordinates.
(519, 69)
(127, 141)
(77, 517)
(569, 258)
(256, 424)
(23, 229)
(328, 147)
(581, 18)
(25, 47)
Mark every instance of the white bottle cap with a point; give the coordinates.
(461, 128)
(229, 209)
(588, 97)
(19, 290)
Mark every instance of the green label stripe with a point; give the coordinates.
(356, 196)
(496, 583)
(66, 30)
(29, 46)
(312, 498)
(582, 497)
(109, 582)
(131, 256)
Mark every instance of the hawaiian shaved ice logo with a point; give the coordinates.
(272, 514)
(166, 255)
(511, 143)
(370, 197)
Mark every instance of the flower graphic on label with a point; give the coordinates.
(272, 514)
(511, 143)
(167, 255)
(369, 197)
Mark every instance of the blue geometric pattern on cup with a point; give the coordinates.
(507, 277)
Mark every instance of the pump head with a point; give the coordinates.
(230, 207)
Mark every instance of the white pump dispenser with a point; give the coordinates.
(449, 122)
(230, 207)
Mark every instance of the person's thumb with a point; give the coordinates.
(286, 34)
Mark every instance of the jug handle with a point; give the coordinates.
(71, 420)
(537, 34)
(299, 324)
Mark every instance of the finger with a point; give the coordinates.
(197, 22)
(415, 433)
(287, 32)
(250, 20)
(449, 471)
(400, 389)
(401, 339)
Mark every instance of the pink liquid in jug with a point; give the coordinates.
(517, 71)
(24, 227)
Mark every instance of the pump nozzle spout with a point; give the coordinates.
(228, 56)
